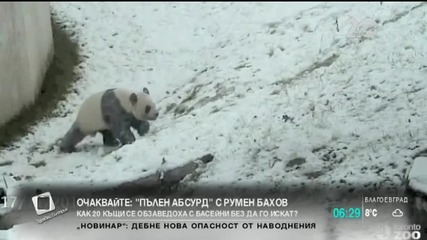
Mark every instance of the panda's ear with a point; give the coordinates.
(133, 98)
(145, 90)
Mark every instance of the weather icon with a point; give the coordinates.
(397, 213)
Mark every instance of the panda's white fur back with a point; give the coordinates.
(89, 117)
(123, 95)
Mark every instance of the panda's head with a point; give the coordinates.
(144, 107)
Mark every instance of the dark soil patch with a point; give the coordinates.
(56, 84)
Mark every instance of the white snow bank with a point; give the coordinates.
(417, 177)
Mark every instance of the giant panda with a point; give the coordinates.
(112, 113)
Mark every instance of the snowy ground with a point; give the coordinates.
(417, 181)
(273, 91)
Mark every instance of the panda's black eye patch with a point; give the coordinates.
(147, 109)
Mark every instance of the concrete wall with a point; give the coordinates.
(26, 50)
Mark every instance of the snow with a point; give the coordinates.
(417, 175)
(275, 82)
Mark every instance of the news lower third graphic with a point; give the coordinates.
(190, 213)
(366, 211)
(43, 204)
(389, 215)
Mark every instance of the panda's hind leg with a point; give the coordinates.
(109, 139)
(73, 136)
(142, 127)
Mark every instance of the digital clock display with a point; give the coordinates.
(347, 213)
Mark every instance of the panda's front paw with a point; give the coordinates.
(109, 139)
(143, 128)
(111, 142)
(127, 138)
(67, 149)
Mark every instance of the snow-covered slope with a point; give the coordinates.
(257, 85)
(272, 90)
(417, 182)
(417, 177)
